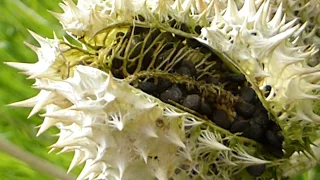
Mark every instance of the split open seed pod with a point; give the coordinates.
(183, 89)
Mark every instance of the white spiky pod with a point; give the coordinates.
(119, 132)
(268, 57)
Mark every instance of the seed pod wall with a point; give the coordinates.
(185, 89)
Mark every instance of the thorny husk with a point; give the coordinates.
(120, 50)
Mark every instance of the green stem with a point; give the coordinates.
(34, 161)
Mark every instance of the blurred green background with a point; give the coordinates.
(16, 16)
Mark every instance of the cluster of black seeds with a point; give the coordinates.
(183, 64)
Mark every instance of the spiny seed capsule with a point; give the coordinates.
(198, 59)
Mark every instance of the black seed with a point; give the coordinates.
(261, 119)
(238, 118)
(212, 80)
(116, 63)
(147, 59)
(254, 131)
(205, 109)
(167, 36)
(148, 87)
(173, 94)
(163, 84)
(280, 136)
(256, 170)
(193, 43)
(239, 126)
(190, 66)
(272, 139)
(185, 71)
(135, 47)
(220, 117)
(184, 28)
(197, 29)
(140, 30)
(154, 34)
(172, 23)
(245, 109)
(204, 50)
(192, 101)
(248, 94)
(277, 152)
(238, 78)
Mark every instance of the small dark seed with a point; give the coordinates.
(184, 71)
(220, 117)
(256, 170)
(167, 36)
(277, 152)
(135, 47)
(147, 87)
(248, 94)
(280, 136)
(197, 29)
(192, 101)
(261, 119)
(184, 28)
(245, 109)
(190, 66)
(239, 126)
(212, 80)
(193, 43)
(116, 63)
(173, 94)
(238, 78)
(254, 131)
(272, 139)
(163, 84)
(238, 118)
(205, 109)
(172, 22)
